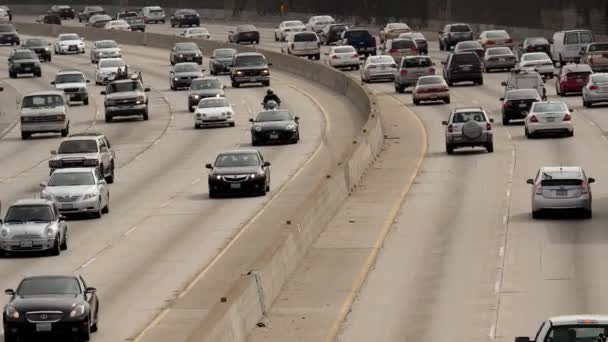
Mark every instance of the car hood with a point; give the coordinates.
(68, 156)
(29, 60)
(33, 228)
(62, 86)
(74, 190)
(213, 111)
(271, 125)
(63, 303)
(123, 95)
(242, 170)
(207, 92)
(187, 52)
(69, 42)
(42, 111)
(189, 74)
(108, 70)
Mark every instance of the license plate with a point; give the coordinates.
(42, 327)
(252, 79)
(522, 105)
(189, 58)
(26, 244)
(27, 69)
(274, 136)
(466, 68)
(67, 206)
(502, 59)
(550, 119)
(561, 192)
(235, 185)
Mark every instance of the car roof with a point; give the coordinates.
(577, 67)
(561, 168)
(68, 34)
(239, 152)
(33, 201)
(249, 54)
(66, 72)
(74, 170)
(50, 276)
(576, 319)
(467, 109)
(45, 92)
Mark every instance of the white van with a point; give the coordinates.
(153, 14)
(303, 44)
(44, 112)
(567, 45)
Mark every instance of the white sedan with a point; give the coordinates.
(344, 56)
(107, 68)
(549, 117)
(539, 62)
(213, 111)
(287, 27)
(69, 43)
(195, 32)
(118, 25)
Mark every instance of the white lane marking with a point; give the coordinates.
(196, 181)
(508, 193)
(492, 331)
(165, 204)
(130, 231)
(88, 262)
(592, 123)
(156, 142)
(501, 251)
(505, 220)
(497, 287)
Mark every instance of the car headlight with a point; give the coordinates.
(82, 90)
(140, 100)
(180, 55)
(229, 114)
(90, 195)
(100, 53)
(4, 232)
(198, 54)
(239, 72)
(218, 177)
(47, 49)
(252, 175)
(290, 127)
(176, 78)
(78, 311)
(55, 163)
(204, 115)
(195, 96)
(11, 312)
(198, 115)
(257, 128)
(50, 232)
(265, 72)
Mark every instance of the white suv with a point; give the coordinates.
(303, 44)
(468, 127)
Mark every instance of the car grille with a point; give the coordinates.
(27, 237)
(44, 316)
(70, 90)
(67, 198)
(235, 178)
(27, 65)
(251, 73)
(73, 48)
(44, 118)
(188, 77)
(72, 162)
(124, 102)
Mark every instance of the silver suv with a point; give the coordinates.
(411, 68)
(468, 127)
(85, 150)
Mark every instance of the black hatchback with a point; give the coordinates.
(517, 103)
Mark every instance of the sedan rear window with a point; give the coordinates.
(459, 28)
(497, 34)
(537, 41)
(431, 80)
(535, 56)
(523, 94)
(549, 107)
(469, 45)
(560, 182)
(214, 103)
(422, 62)
(49, 285)
(599, 78)
(468, 116)
(499, 51)
(381, 60)
(403, 44)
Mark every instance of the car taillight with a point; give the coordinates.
(584, 187)
(403, 72)
(414, 50)
(432, 70)
(594, 87)
(355, 55)
(488, 126)
(509, 40)
(489, 42)
(567, 117)
(450, 128)
(539, 189)
(530, 48)
(533, 118)
(335, 57)
(393, 50)
(505, 105)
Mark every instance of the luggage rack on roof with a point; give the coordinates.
(123, 74)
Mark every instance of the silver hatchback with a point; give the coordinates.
(560, 188)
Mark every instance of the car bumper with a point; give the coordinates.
(380, 75)
(27, 329)
(274, 136)
(465, 77)
(8, 39)
(432, 96)
(126, 111)
(305, 52)
(542, 203)
(66, 50)
(344, 62)
(47, 127)
(572, 88)
(558, 127)
(462, 141)
(245, 187)
(195, 59)
(78, 97)
(26, 71)
(26, 245)
(251, 79)
(500, 65)
(82, 206)
(596, 97)
(212, 121)
(182, 83)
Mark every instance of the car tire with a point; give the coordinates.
(12, 75)
(145, 115)
(190, 109)
(587, 104)
(231, 124)
(109, 117)
(449, 148)
(266, 83)
(400, 89)
(490, 147)
(570, 134)
(505, 120)
(86, 336)
(536, 214)
(587, 214)
(318, 56)
(450, 83)
(357, 67)
(172, 87)
(416, 102)
(99, 211)
(197, 126)
(106, 208)
(48, 59)
(56, 250)
(212, 194)
(25, 135)
(8, 337)
(38, 74)
(65, 132)
(480, 81)
(235, 85)
(86, 101)
(447, 100)
(64, 244)
(110, 178)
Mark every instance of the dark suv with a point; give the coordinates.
(64, 11)
(453, 34)
(249, 67)
(90, 11)
(23, 61)
(185, 17)
(8, 35)
(462, 67)
(361, 40)
(40, 46)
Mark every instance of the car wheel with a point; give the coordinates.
(266, 83)
(505, 120)
(56, 250)
(65, 132)
(197, 126)
(587, 104)
(145, 115)
(318, 56)
(235, 84)
(490, 147)
(400, 89)
(480, 81)
(12, 75)
(94, 326)
(416, 102)
(190, 108)
(172, 86)
(86, 336)
(449, 148)
(86, 101)
(48, 59)
(25, 135)
(106, 208)
(212, 193)
(64, 244)
(231, 124)
(587, 214)
(110, 178)
(570, 134)
(440, 46)
(97, 214)
(38, 74)
(536, 214)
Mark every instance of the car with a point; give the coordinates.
(525, 79)
(204, 87)
(566, 45)
(596, 55)
(185, 17)
(154, 14)
(452, 34)
(567, 328)
(275, 126)
(332, 33)
(561, 188)
(74, 85)
(196, 32)
(410, 69)
(33, 225)
(468, 127)
(549, 117)
(517, 103)
(572, 78)
(213, 112)
(377, 68)
(98, 21)
(537, 61)
(182, 74)
(495, 38)
(135, 19)
(125, 98)
(44, 112)
(239, 172)
(40, 46)
(220, 61)
(117, 25)
(88, 12)
(286, 27)
(8, 35)
(470, 45)
(81, 150)
(317, 22)
(363, 41)
(393, 30)
(4, 15)
(249, 67)
(68, 43)
(462, 67)
(342, 56)
(49, 18)
(400, 47)
(185, 52)
(107, 69)
(498, 58)
(596, 90)
(419, 39)
(105, 49)
(56, 304)
(303, 44)
(64, 11)
(24, 61)
(534, 44)
(244, 33)
(431, 88)
(78, 191)
(8, 11)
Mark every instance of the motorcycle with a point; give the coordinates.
(270, 105)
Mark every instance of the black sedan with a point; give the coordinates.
(8, 34)
(64, 11)
(40, 46)
(244, 33)
(470, 45)
(49, 18)
(221, 61)
(239, 172)
(51, 305)
(23, 61)
(204, 87)
(185, 17)
(182, 74)
(186, 52)
(517, 104)
(275, 126)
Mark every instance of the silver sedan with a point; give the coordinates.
(378, 68)
(596, 90)
(499, 58)
(559, 188)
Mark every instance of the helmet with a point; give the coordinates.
(269, 92)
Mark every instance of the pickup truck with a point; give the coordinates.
(596, 55)
(571, 328)
(134, 19)
(125, 97)
(361, 40)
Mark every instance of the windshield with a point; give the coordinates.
(274, 115)
(49, 285)
(578, 333)
(344, 50)
(111, 63)
(549, 107)
(460, 28)
(109, 44)
(214, 103)
(224, 53)
(254, 60)
(294, 23)
(38, 101)
(128, 14)
(497, 34)
(431, 80)
(468, 116)
(186, 67)
(29, 213)
(69, 37)
(69, 78)
(305, 37)
(523, 94)
(397, 26)
(185, 46)
(206, 84)
(603, 78)
(157, 11)
(381, 60)
(35, 42)
(78, 146)
(246, 28)
(535, 56)
(71, 179)
(7, 28)
(24, 55)
(237, 159)
(499, 51)
(119, 87)
(598, 47)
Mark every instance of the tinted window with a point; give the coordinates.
(117, 87)
(69, 37)
(598, 47)
(403, 44)
(35, 42)
(106, 45)
(499, 51)
(24, 55)
(572, 38)
(339, 28)
(29, 213)
(549, 107)
(39, 101)
(156, 11)
(214, 103)
(468, 116)
(69, 78)
(49, 285)
(206, 84)
(78, 146)
(535, 56)
(185, 46)
(237, 159)
(523, 94)
(459, 28)
(359, 34)
(417, 62)
(186, 67)
(555, 175)
(586, 38)
(381, 60)
(599, 78)
(465, 58)
(71, 179)
(305, 37)
(251, 60)
(275, 115)
(469, 45)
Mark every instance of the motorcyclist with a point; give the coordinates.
(270, 95)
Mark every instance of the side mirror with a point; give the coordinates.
(502, 99)
(224, 86)
(9, 292)
(440, 32)
(530, 181)
(61, 218)
(88, 81)
(326, 53)
(171, 72)
(571, 110)
(103, 181)
(266, 164)
(52, 82)
(443, 62)
(270, 64)
(211, 57)
(103, 92)
(445, 123)
(590, 180)
(209, 166)
(491, 120)
(90, 290)
(203, 70)
(53, 152)
(503, 83)
(147, 90)
(104, 149)
(251, 120)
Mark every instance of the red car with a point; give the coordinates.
(572, 78)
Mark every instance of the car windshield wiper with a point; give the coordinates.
(38, 220)
(14, 221)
